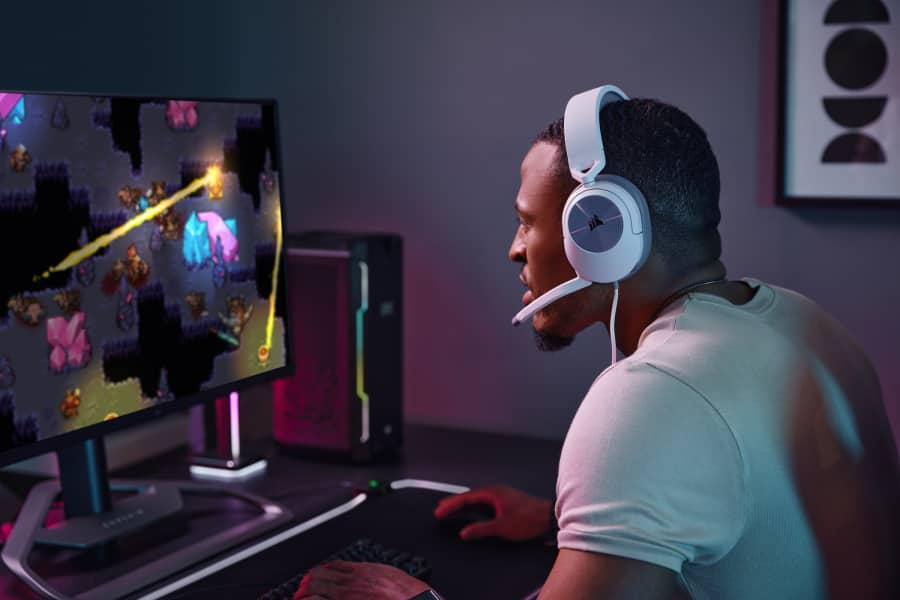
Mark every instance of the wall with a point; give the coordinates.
(414, 116)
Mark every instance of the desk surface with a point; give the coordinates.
(309, 487)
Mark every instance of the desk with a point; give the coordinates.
(497, 569)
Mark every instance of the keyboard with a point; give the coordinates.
(364, 550)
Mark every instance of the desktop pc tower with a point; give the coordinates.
(345, 399)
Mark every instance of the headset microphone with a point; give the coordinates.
(606, 223)
(563, 289)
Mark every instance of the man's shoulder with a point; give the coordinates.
(637, 382)
(629, 369)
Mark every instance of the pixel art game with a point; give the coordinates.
(140, 242)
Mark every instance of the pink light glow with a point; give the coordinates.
(7, 103)
(234, 425)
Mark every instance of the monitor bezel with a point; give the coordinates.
(103, 428)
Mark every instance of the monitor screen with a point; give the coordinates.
(140, 243)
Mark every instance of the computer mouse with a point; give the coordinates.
(470, 513)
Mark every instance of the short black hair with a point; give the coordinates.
(666, 154)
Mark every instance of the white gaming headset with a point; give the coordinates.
(606, 223)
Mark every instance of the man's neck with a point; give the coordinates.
(641, 302)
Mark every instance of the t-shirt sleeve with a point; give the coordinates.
(650, 471)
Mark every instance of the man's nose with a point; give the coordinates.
(517, 249)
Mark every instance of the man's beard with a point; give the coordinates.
(564, 309)
(549, 342)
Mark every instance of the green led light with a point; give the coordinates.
(373, 483)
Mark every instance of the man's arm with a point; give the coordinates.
(649, 470)
(578, 575)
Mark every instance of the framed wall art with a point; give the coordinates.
(839, 104)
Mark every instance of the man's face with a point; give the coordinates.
(538, 245)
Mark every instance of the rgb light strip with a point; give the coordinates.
(360, 381)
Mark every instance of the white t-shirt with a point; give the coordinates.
(703, 452)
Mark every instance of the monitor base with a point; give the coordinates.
(154, 501)
(227, 469)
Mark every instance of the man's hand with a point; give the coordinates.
(342, 580)
(519, 516)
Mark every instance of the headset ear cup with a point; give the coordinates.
(606, 229)
(639, 201)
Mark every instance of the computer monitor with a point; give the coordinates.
(141, 243)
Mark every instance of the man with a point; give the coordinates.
(740, 450)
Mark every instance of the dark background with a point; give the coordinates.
(413, 116)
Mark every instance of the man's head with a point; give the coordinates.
(660, 150)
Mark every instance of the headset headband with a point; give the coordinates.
(584, 144)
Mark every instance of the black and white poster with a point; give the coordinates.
(840, 101)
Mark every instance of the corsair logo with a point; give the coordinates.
(122, 519)
(595, 222)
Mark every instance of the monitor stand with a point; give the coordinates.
(94, 521)
(222, 458)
